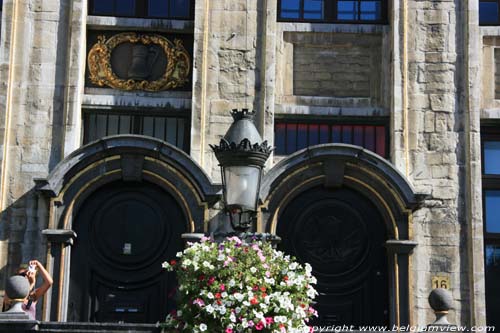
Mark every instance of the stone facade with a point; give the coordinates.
(431, 72)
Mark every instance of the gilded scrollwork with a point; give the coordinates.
(101, 72)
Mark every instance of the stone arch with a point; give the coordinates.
(336, 166)
(117, 158)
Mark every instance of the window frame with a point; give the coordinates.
(141, 10)
(138, 114)
(498, 13)
(489, 181)
(330, 14)
(337, 121)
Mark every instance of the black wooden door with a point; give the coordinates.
(341, 234)
(124, 232)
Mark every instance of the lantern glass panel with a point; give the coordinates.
(242, 186)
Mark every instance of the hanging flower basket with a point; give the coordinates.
(235, 287)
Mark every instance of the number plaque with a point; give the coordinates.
(441, 282)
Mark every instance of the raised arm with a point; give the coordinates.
(47, 279)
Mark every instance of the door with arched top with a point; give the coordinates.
(342, 235)
(125, 230)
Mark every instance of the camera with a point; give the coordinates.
(31, 268)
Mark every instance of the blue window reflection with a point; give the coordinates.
(179, 8)
(370, 10)
(158, 8)
(492, 204)
(488, 12)
(347, 10)
(313, 9)
(103, 7)
(492, 157)
(290, 9)
(125, 7)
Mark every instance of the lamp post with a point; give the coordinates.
(242, 155)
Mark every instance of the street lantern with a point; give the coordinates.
(241, 154)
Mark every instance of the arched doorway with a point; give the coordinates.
(314, 192)
(342, 235)
(106, 266)
(125, 231)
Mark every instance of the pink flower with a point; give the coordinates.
(222, 287)
(269, 320)
(229, 330)
(211, 280)
(259, 326)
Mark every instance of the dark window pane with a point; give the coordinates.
(125, 127)
(347, 134)
(324, 134)
(492, 271)
(279, 139)
(492, 206)
(124, 7)
(290, 9)
(92, 128)
(370, 10)
(103, 7)
(370, 138)
(181, 125)
(179, 8)
(313, 9)
(171, 130)
(301, 136)
(313, 135)
(291, 138)
(101, 126)
(158, 8)
(488, 12)
(347, 10)
(160, 129)
(112, 125)
(358, 135)
(147, 126)
(380, 135)
(492, 157)
(336, 134)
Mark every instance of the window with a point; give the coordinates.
(172, 129)
(491, 218)
(488, 12)
(172, 9)
(341, 11)
(291, 136)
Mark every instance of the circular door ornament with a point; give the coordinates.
(144, 51)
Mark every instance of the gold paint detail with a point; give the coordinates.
(204, 82)
(396, 286)
(81, 172)
(61, 283)
(440, 282)
(289, 176)
(382, 200)
(186, 181)
(274, 223)
(101, 72)
(179, 195)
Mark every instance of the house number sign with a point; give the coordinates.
(441, 282)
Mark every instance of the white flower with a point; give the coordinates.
(165, 264)
(203, 327)
(253, 270)
(209, 308)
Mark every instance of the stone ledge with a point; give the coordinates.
(124, 23)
